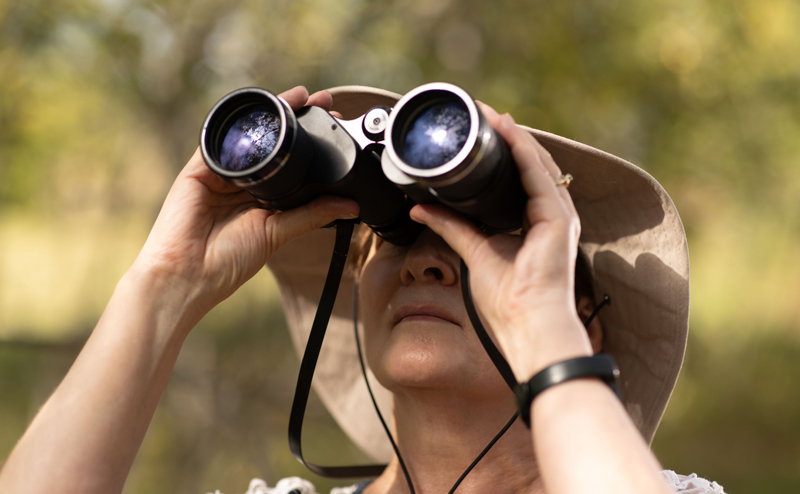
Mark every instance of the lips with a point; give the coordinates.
(422, 312)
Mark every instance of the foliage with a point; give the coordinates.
(101, 103)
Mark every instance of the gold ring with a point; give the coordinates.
(565, 179)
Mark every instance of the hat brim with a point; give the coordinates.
(637, 253)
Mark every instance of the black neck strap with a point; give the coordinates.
(497, 358)
(386, 428)
(344, 231)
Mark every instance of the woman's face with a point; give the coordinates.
(418, 334)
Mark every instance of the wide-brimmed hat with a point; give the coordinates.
(636, 250)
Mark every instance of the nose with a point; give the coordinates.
(430, 260)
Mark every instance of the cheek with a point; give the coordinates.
(377, 285)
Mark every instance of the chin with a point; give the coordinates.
(421, 364)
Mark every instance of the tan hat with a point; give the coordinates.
(636, 250)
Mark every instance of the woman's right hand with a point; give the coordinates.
(210, 236)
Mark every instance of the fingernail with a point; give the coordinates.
(350, 216)
(510, 118)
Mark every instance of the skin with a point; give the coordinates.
(581, 437)
(210, 238)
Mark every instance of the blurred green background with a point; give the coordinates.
(101, 102)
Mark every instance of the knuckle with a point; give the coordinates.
(577, 227)
(275, 233)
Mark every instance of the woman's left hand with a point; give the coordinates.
(523, 285)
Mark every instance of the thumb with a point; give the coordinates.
(461, 235)
(285, 226)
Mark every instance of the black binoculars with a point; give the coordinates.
(434, 146)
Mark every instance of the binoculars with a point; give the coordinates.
(434, 146)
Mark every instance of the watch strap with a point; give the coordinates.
(600, 365)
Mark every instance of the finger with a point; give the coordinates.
(461, 235)
(544, 155)
(323, 99)
(526, 225)
(552, 166)
(296, 97)
(288, 225)
(337, 115)
(525, 137)
(537, 180)
(520, 141)
(490, 113)
(545, 158)
(194, 164)
(196, 169)
(494, 119)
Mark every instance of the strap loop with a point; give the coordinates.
(344, 232)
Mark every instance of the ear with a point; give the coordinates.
(585, 307)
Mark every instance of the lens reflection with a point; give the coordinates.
(437, 135)
(250, 139)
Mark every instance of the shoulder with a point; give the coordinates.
(691, 484)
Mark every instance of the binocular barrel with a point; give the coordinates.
(434, 147)
(438, 139)
(252, 139)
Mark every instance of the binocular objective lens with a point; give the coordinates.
(437, 135)
(251, 138)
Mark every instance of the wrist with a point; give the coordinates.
(542, 339)
(170, 301)
(598, 366)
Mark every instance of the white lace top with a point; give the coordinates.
(682, 484)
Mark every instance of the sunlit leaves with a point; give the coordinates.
(101, 103)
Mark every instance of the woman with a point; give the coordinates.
(449, 401)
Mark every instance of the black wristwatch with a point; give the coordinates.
(600, 365)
